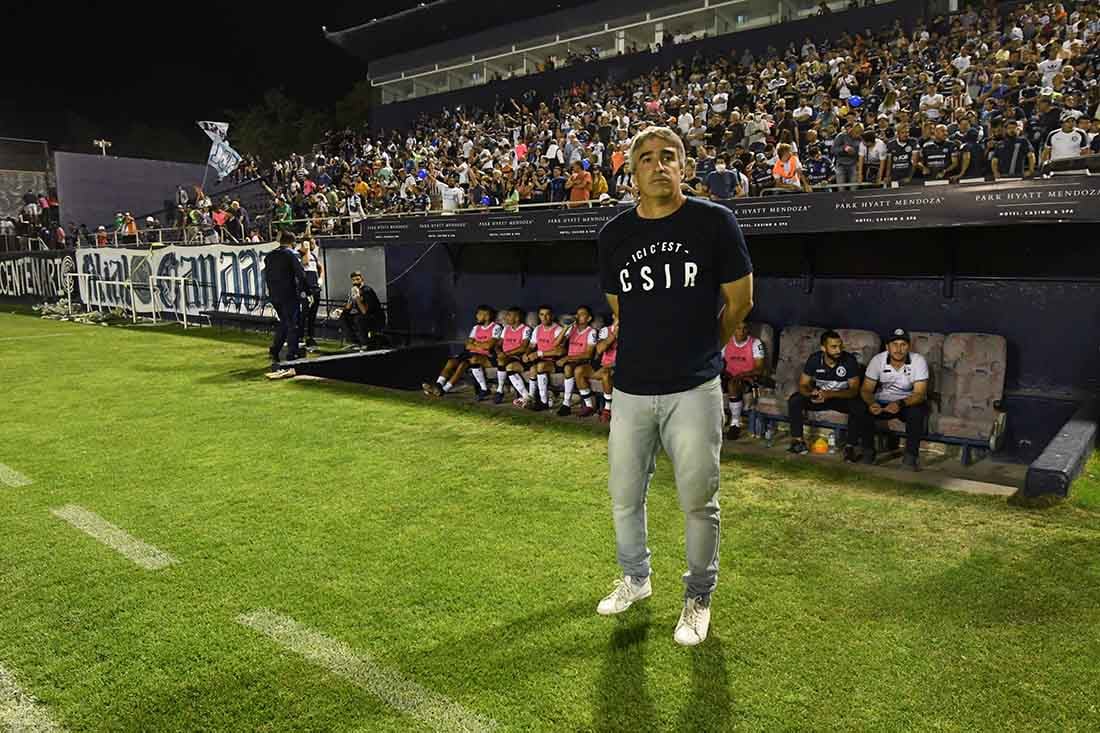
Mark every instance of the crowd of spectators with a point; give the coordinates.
(37, 218)
(988, 93)
(992, 92)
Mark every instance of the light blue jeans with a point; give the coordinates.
(689, 427)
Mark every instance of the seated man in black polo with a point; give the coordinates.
(896, 386)
(829, 381)
(362, 317)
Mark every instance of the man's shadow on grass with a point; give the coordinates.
(620, 699)
(710, 704)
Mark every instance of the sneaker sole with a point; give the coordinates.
(616, 613)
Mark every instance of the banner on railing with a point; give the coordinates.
(37, 276)
(216, 277)
(991, 204)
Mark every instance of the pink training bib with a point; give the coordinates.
(545, 337)
(739, 358)
(578, 341)
(513, 337)
(482, 333)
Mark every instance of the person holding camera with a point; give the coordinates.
(362, 313)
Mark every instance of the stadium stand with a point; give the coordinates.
(970, 72)
(1036, 63)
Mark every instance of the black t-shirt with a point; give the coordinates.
(667, 275)
(762, 177)
(901, 158)
(1011, 155)
(834, 377)
(936, 155)
(976, 169)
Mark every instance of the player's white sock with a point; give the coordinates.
(586, 397)
(544, 388)
(607, 399)
(735, 411)
(479, 377)
(517, 383)
(441, 381)
(501, 374)
(447, 386)
(531, 385)
(569, 392)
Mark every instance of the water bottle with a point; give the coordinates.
(769, 435)
(832, 441)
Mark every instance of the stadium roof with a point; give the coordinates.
(426, 23)
(433, 32)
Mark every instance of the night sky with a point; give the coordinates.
(98, 69)
(117, 63)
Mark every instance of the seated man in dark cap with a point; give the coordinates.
(895, 385)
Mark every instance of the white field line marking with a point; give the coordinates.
(125, 544)
(11, 477)
(20, 711)
(436, 711)
(38, 336)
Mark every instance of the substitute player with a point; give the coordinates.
(479, 345)
(744, 360)
(514, 342)
(577, 363)
(605, 352)
(544, 350)
(677, 274)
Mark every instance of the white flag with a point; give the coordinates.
(223, 158)
(216, 131)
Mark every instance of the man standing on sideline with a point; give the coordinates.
(286, 287)
(677, 274)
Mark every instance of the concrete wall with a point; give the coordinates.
(91, 188)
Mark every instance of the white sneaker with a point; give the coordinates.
(625, 593)
(694, 622)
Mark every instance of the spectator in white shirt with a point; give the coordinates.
(685, 122)
(931, 102)
(453, 196)
(872, 157)
(1067, 142)
(1051, 65)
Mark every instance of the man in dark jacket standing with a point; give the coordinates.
(286, 285)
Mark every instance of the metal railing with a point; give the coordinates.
(332, 227)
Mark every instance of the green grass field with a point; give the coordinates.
(465, 550)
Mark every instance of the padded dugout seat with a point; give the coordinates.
(796, 343)
(973, 380)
